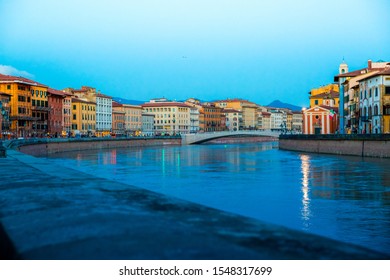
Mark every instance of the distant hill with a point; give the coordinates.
(127, 101)
(280, 104)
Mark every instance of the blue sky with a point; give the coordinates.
(209, 49)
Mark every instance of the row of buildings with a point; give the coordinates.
(356, 102)
(32, 109)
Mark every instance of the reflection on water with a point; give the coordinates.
(345, 198)
(305, 169)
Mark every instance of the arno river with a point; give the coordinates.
(344, 198)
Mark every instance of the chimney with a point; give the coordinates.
(369, 64)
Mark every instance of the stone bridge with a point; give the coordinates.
(188, 139)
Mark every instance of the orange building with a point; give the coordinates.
(320, 120)
(28, 107)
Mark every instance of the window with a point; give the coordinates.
(387, 90)
(376, 110)
(74, 116)
(33, 102)
(316, 102)
(21, 98)
(74, 107)
(369, 93)
(376, 92)
(8, 86)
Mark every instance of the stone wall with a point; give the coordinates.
(45, 147)
(366, 147)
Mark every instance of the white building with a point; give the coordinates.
(278, 119)
(103, 113)
(374, 103)
(232, 119)
(147, 124)
(194, 119)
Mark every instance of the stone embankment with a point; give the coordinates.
(364, 145)
(41, 147)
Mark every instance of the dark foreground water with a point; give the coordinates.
(344, 198)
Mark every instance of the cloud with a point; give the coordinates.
(9, 70)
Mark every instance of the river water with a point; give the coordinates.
(344, 198)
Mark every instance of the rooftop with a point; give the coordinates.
(20, 80)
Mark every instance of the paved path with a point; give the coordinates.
(51, 212)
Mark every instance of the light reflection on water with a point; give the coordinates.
(345, 198)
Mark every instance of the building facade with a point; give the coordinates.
(83, 117)
(56, 121)
(28, 106)
(232, 119)
(170, 118)
(118, 119)
(133, 119)
(320, 120)
(147, 124)
(103, 115)
(4, 115)
(374, 104)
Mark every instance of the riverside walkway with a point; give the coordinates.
(52, 212)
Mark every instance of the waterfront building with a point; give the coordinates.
(297, 121)
(266, 120)
(232, 119)
(103, 105)
(289, 116)
(4, 115)
(374, 103)
(352, 120)
(343, 79)
(103, 114)
(118, 119)
(248, 109)
(147, 124)
(278, 119)
(194, 119)
(28, 106)
(59, 123)
(320, 120)
(83, 117)
(211, 117)
(133, 119)
(170, 118)
(326, 95)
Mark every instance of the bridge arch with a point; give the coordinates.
(189, 139)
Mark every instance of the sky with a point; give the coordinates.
(259, 50)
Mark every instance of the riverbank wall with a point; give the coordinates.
(42, 147)
(363, 145)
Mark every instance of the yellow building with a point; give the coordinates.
(28, 107)
(248, 109)
(83, 117)
(326, 95)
